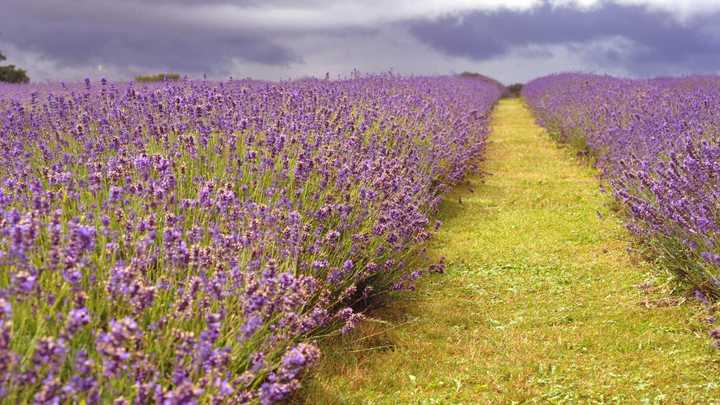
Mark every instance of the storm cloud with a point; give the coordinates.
(78, 33)
(513, 40)
(647, 38)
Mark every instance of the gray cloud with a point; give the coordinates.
(278, 39)
(657, 37)
(127, 33)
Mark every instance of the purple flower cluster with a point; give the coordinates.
(657, 144)
(187, 242)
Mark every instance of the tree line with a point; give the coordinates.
(12, 74)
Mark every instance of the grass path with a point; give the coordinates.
(539, 302)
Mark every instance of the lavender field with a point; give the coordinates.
(198, 241)
(657, 144)
(192, 241)
(359, 202)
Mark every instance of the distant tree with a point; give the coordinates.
(513, 90)
(160, 77)
(11, 74)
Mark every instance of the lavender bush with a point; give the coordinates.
(188, 241)
(657, 143)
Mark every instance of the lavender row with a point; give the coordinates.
(190, 241)
(657, 144)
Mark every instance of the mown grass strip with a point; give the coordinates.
(541, 301)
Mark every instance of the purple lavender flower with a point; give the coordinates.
(183, 226)
(651, 140)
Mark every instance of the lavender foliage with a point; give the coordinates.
(657, 144)
(188, 242)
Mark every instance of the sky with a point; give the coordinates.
(510, 40)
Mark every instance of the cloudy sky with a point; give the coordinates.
(511, 40)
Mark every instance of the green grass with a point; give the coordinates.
(541, 301)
